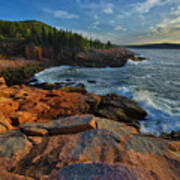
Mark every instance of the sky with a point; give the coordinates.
(120, 21)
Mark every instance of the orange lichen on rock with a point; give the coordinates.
(23, 104)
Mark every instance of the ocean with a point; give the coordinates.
(154, 84)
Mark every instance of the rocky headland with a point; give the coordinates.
(20, 104)
(69, 133)
(114, 57)
(20, 70)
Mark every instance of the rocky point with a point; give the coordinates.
(22, 104)
(53, 134)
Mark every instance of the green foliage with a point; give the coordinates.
(108, 45)
(45, 36)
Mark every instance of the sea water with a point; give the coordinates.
(154, 84)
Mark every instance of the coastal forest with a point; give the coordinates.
(15, 36)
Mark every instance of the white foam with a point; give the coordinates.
(161, 117)
(125, 91)
(52, 69)
(49, 75)
(163, 113)
(176, 83)
(131, 62)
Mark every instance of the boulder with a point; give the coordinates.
(75, 124)
(116, 127)
(152, 153)
(119, 108)
(93, 171)
(14, 144)
(14, 147)
(69, 125)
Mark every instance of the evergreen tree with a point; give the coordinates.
(43, 35)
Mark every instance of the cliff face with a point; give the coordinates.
(33, 53)
(39, 53)
(97, 57)
(91, 58)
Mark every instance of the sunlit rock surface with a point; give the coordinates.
(48, 134)
(118, 146)
(22, 104)
(102, 171)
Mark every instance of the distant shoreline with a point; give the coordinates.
(155, 46)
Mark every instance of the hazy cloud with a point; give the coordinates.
(119, 28)
(169, 25)
(61, 14)
(94, 25)
(147, 5)
(175, 11)
(109, 9)
(96, 17)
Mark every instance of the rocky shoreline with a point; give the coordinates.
(20, 104)
(19, 70)
(55, 132)
(62, 134)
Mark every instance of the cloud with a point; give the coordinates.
(119, 28)
(112, 22)
(99, 7)
(147, 5)
(108, 10)
(170, 25)
(125, 20)
(94, 25)
(175, 11)
(96, 17)
(125, 14)
(104, 37)
(61, 14)
(140, 8)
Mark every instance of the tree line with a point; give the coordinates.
(44, 35)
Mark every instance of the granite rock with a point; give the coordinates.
(102, 171)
